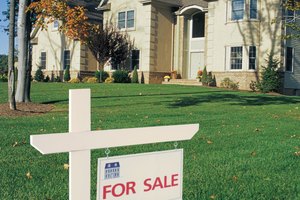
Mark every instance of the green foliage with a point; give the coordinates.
(3, 64)
(204, 78)
(67, 75)
(252, 139)
(121, 76)
(3, 78)
(101, 75)
(47, 79)
(135, 76)
(142, 78)
(109, 80)
(39, 75)
(253, 86)
(270, 77)
(229, 84)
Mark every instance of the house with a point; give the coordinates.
(231, 37)
(53, 52)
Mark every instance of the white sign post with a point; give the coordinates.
(82, 140)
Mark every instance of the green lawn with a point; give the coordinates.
(244, 149)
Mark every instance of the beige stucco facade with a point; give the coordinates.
(54, 43)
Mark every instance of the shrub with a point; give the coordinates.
(92, 80)
(270, 77)
(142, 78)
(74, 80)
(101, 75)
(135, 76)
(253, 86)
(228, 83)
(109, 80)
(3, 78)
(204, 78)
(39, 75)
(212, 81)
(85, 79)
(57, 79)
(47, 79)
(121, 76)
(67, 75)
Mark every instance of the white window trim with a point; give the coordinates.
(256, 58)
(293, 60)
(246, 12)
(134, 18)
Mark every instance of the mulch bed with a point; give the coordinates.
(25, 109)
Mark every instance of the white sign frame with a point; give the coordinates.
(145, 165)
(81, 140)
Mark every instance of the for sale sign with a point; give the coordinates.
(147, 176)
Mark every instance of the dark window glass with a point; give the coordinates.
(130, 19)
(237, 9)
(43, 60)
(289, 59)
(236, 58)
(135, 59)
(121, 20)
(198, 25)
(253, 9)
(252, 57)
(67, 59)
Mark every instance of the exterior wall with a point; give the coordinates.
(292, 79)
(224, 33)
(54, 43)
(162, 25)
(141, 33)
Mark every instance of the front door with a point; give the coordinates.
(196, 63)
(197, 44)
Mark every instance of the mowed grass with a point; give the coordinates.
(245, 148)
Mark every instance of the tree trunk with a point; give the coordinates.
(28, 61)
(11, 47)
(22, 51)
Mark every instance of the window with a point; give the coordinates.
(67, 58)
(236, 58)
(289, 59)
(252, 57)
(237, 7)
(253, 9)
(135, 59)
(43, 60)
(55, 25)
(126, 19)
(198, 25)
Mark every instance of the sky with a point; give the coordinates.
(3, 35)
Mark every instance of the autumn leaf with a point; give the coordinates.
(15, 144)
(235, 178)
(28, 175)
(297, 153)
(253, 153)
(66, 166)
(212, 196)
(209, 142)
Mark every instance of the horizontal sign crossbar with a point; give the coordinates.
(65, 142)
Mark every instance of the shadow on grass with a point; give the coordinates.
(235, 99)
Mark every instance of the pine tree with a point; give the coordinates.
(67, 76)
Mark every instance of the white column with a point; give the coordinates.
(79, 161)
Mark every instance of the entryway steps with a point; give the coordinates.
(183, 82)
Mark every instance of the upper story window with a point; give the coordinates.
(126, 19)
(198, 25)
(289, 59)
(241, 9)
(43, 60)
(253, 9)
(55, 25)
(237, 9)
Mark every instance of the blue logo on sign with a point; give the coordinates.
(112, 170)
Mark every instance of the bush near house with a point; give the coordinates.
(101, 75)
(270, 77)
(74, 80)
(229, 84)
(109, 80)
(39, 75)
(92, 80)
(121, 76)
(3, 78)
(204, 78)
(135, 76)
(67, 75)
